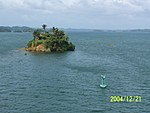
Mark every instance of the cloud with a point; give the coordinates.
(81, 6)
(11, 3)
(61, 5)
(87, 11)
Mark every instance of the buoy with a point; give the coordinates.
(103, 83)
(25, 54)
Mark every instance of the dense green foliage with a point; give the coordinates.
(53, 40)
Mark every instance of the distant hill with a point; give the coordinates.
(16, 29)
(5, 29)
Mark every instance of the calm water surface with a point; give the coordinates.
(69, 82)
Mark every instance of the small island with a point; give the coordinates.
(54, 40)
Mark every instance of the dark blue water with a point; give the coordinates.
(69, 82)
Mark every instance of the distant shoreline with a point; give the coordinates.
(16, 29)
(20, 29)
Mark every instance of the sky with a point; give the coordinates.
(88, 14)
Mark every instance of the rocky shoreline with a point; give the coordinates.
(37, 49)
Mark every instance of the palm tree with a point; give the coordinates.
(44, 27)
(53, 29)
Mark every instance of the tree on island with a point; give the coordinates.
(44, 27)
(54, 41)
(36, 33)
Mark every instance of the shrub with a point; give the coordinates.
(30, 43)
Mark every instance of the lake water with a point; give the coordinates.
(69, 82)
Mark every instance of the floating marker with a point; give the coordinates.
(103, 83)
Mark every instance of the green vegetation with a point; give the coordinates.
(44, 27)
(16, 29)
(4, 29)
(54, 40)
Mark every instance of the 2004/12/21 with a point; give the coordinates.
(125, 98)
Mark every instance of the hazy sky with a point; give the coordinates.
(98, 14)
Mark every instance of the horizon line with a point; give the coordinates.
(75, 28)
